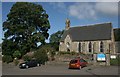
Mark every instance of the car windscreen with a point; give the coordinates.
(73, 61)
(27, 62)
(81, 60)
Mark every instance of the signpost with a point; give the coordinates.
(113, 56)
(101, 57)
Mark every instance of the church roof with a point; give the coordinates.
(89, 33)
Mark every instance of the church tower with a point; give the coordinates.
(67, 24)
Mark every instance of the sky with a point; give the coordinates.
(79, 13)
(0, 21)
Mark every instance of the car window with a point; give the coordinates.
(27, 62)
(81, 60)
(33, 61)
(73, 61)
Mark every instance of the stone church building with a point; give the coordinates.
(89, 39)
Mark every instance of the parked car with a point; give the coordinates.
(77, 63)
(29, 64)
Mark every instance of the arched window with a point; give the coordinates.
(68, 44)
(79, 47)
(68, 50)
(90, 47)
(101, 46)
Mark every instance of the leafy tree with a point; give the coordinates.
(55, 38)
(26, 25)
(117, 34)
(27, 58)
(47, 47)
(0, 47)
(17, 54)
(7, 58)
(41, 56)
(8, 47)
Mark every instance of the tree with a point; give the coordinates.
(49, 49)
(7, 58)
(117, 34)
(26, 25)
(0, 47)
(55, 38)
(17, 54)
(8, 47)
(41, 56)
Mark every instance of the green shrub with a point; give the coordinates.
(7, 58)
(41, 56)
(52, 53)
(68, 52)
(115, 61)
(16, 62)
(27, 58)
(73, 53)
(63, 52)
(17, 54)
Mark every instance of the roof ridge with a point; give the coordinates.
(89, 25)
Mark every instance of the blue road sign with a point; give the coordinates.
(101, 57)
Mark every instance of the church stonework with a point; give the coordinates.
(95, 46)
(93, 39)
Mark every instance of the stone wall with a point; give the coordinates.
(117, 47)
(63, 45)
(108, 46)
(74, 46)
(95, 46)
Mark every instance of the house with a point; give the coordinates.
(97, 38)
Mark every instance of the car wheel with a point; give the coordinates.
(27, 66)
(38, 64)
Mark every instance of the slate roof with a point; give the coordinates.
(89, 33)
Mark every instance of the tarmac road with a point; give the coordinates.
(59, 69)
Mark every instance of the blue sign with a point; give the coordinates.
(101, 57)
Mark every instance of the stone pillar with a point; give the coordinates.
(108, 59)
(95, 59)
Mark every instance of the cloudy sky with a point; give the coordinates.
(79, 13)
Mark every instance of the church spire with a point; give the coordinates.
(67, 24)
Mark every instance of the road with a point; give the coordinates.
(59, 69)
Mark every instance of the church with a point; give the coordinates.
(89, 39)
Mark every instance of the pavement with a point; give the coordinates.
(0, 67)
(0, 64)
(53, 68)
